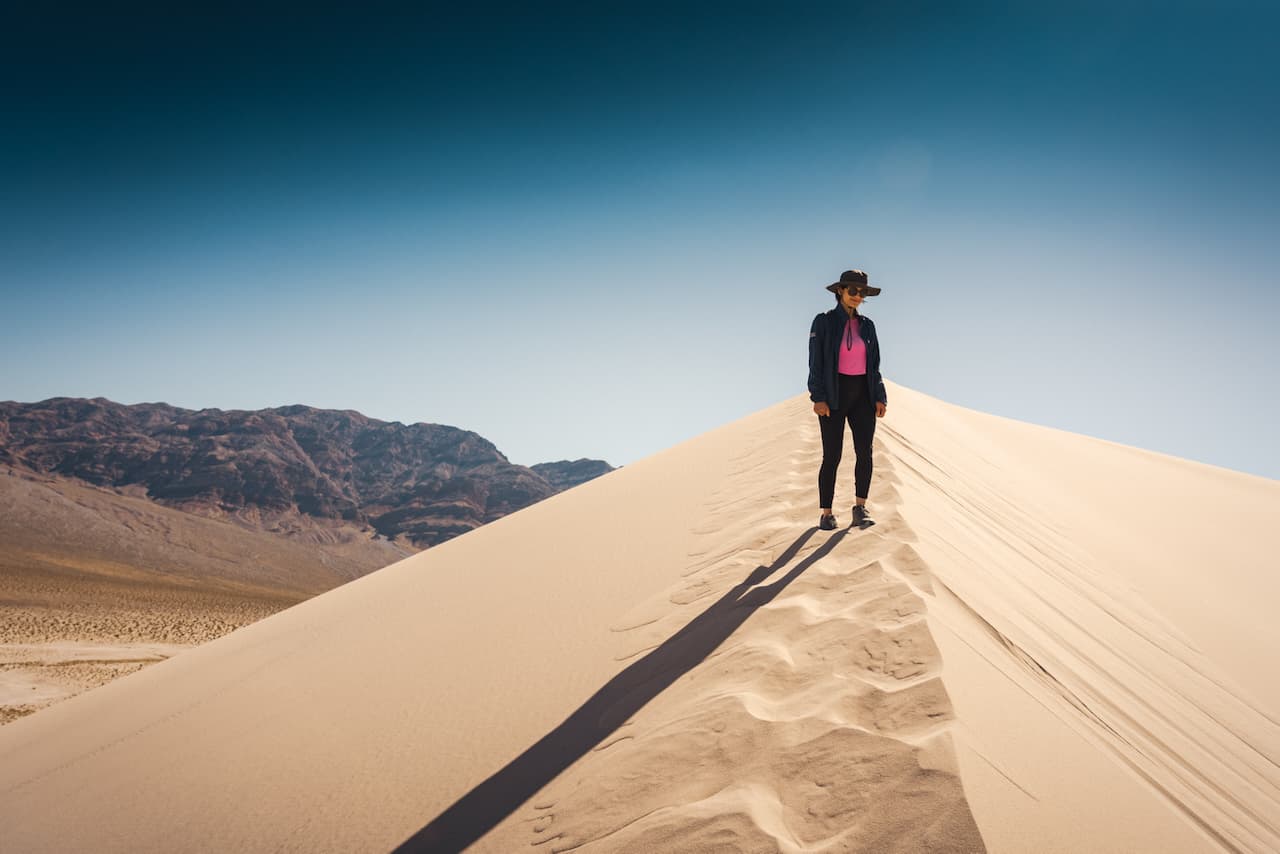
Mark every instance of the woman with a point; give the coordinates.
(845, 385)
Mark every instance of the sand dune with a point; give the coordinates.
(1046, 643)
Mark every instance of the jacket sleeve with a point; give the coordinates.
(881, 395)
(817, 360)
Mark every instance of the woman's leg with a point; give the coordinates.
(832, 427)
(862, 421)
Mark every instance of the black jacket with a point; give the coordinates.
(825, 336)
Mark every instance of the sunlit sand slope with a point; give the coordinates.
(1107, 619)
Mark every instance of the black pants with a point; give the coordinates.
(857, 408)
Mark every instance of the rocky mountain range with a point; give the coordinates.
(416, 484)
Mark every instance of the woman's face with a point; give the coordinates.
(850, 297)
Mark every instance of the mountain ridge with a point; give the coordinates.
(419, 484)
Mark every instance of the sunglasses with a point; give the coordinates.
(856, 289)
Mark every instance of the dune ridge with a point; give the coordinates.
(800, 705)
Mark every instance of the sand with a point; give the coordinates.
(126, 582)
(1046, 643)
(63, 634)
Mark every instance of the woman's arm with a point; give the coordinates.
(817, 360)
(882, 397)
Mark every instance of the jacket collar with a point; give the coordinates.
(838, 313)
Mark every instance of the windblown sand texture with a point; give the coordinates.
(1035, 648)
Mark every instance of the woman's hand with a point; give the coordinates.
(822, 409)
(880, 408)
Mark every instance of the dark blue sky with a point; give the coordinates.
(442, 215)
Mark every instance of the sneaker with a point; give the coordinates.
(827, 523)
(861, 517)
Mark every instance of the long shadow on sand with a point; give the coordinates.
(479, 810)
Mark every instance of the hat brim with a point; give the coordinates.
(836, 286)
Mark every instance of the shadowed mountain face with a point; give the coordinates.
(563, 474)
(421, 483)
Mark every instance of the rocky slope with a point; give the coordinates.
(418, 484)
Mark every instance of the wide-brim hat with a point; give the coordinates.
(853, 277)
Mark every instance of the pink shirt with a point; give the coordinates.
(853, 360)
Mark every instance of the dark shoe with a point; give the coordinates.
(827, 523)
(861, 517)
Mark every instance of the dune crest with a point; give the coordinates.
(783, 695)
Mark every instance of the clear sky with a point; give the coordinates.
(598, 229)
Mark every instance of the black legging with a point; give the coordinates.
(859, 411)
